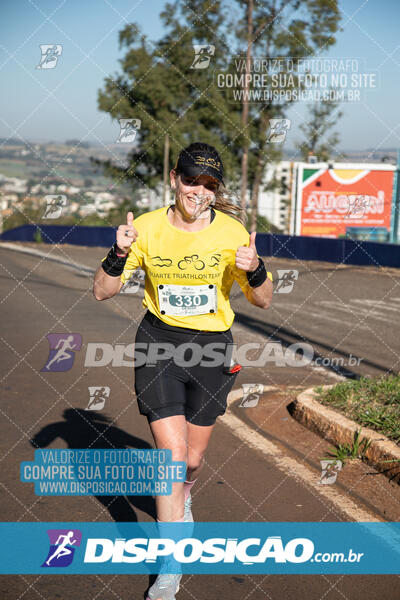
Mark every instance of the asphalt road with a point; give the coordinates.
(338, 311)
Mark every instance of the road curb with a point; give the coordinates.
(340, 503)
(338, 429)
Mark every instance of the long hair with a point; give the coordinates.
(222, 201)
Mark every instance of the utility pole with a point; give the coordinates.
(166, 164)
(245, 111)
(394, 229)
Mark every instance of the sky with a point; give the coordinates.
(61, 103)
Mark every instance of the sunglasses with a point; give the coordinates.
(193, 181)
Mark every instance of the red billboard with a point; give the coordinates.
(331, 200)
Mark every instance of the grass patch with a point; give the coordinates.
(371, 402)
(37, 236)
(357, 449)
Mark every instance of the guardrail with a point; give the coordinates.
(346, 251)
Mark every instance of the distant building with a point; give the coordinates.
(8, 200)
(72, 190)
(274, 204)
(99, 203)
(73, 207)
(87, 209)
(31, 201)
(14, 184)
(68, 189)
(150, 199)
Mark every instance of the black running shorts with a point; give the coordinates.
(169, 377)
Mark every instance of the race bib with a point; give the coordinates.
(187, 300)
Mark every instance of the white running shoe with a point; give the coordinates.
(165, 587)
(187, 515)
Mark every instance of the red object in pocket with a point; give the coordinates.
(235, 368)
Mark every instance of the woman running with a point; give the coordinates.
(191, 253)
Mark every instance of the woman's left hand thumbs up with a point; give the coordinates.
(246, 256)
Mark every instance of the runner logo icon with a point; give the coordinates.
(278, 130)
(62, 547)
(251, 394)
(98, 397)
(54, 206)
(203, 54)
(330, 469)
(50, 55)
(62, 348)
(286, 280)
(128, 130)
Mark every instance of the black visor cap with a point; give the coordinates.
(200, 163)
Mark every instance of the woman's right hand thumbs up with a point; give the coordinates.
(126, 234)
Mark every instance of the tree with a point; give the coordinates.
(161, 85)
(281, 29)
(323, 116)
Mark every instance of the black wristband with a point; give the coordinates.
(257, 277)
(114, 265)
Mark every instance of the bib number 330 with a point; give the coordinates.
(187, 300)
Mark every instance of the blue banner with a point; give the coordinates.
(114, 472)
(207, 548)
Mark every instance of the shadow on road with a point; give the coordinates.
(82, 429)
(287, 337)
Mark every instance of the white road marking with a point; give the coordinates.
(326, 372)
(366, 312)
(48, 256)
(381, 304)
